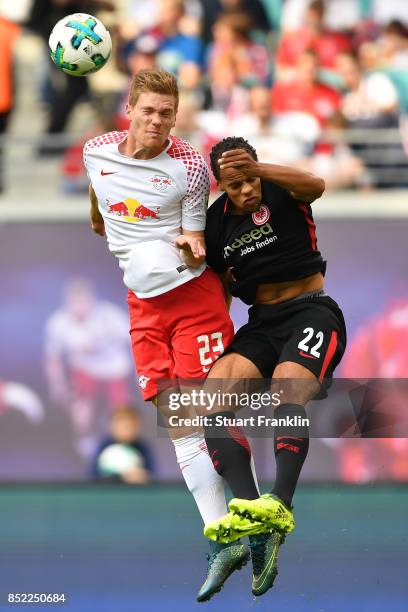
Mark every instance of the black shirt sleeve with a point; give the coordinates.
(272, 192)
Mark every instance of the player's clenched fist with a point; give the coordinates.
(97, 223)
(98, 226)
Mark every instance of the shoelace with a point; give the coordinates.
(214, 557)
(271, 496)
(211, 559)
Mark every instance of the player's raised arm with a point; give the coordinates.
(97, 223)
(301, 185)
(194, 211)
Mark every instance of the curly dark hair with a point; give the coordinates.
(227, 144)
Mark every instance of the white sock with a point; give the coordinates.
(254, 473)
(205, 484)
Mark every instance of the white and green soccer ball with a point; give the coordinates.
(117, 459)
(80, 44)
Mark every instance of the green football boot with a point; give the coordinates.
(231, 527)
(264, 553)
(222, 561)
(267, 509)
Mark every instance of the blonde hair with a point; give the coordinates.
(156, 81)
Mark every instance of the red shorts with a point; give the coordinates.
(86, 386)
(180, 333)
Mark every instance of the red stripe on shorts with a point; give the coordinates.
(331, 349)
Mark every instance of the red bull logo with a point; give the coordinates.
(132, 211)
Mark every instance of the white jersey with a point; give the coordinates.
(96, 345)
(144, 204)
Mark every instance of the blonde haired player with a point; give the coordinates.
(149, 193)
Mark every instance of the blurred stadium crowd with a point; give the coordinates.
(320, 84)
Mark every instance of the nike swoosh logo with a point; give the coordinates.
(262, 577)
(106, 173)
(302, 354)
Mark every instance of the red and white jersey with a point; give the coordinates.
(96, 345)
(145, 203)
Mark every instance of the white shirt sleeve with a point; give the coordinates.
(194, 203)
(85, 152)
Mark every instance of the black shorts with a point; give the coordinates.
(310, 331)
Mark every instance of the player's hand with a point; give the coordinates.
(191, 245)
(240, 160)
(135, 476)
(98, 226)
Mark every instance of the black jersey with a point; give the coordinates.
(275, 244)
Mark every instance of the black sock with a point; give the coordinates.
(231, 455)
(291, 444)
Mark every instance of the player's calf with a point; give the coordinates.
(231, 454)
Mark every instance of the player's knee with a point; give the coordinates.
(294, 383)
(234, 366)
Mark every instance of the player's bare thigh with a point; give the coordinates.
(234, 366)
(299, 384)
(233, 371)
(231, 374)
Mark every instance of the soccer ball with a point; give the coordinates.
(117, 459)
(80, 44)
